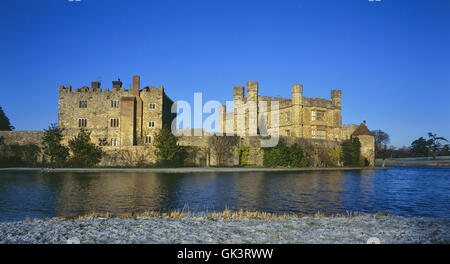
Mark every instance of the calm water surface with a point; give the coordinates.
(408, 190)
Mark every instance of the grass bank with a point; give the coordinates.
(225, 214)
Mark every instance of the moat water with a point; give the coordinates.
(407, 190)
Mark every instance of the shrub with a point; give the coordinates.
(335, 155)
(351, 153)
(30, 153)
(284, 156)
(276, 156)
(296, 157)
(19, 155)
(84, 152)
(324, 159)
(243, 155)
(168, 153)
(55, 152)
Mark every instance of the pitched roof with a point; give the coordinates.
(362, 130)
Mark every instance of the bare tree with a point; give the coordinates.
(435, 144)
(384, 153)
(222, 147)
(381, 140)
(133, 158)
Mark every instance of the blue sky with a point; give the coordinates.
(390, 58)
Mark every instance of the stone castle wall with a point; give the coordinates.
(199, 152)
(22, 137)
(347, 130)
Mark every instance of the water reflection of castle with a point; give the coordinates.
(298, 192)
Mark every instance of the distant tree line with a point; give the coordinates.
(432, 146)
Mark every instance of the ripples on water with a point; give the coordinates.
(408, 190)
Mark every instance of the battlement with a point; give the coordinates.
(238, 92)
(297, 89)
(336, 93)
(152, 88)
(317, 102)
(252, 84)
(117, 87)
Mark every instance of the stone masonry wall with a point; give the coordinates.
(368, 148)
(22, 137)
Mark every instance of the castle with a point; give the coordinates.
(299, 116)
(121, 117)
(127, 119)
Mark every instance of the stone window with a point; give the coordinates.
(288, 117)
(114, 122)
(151, 124)
(319, 134)
(318, 115)
(83, 104)
(115, 103)
(148, 139)
(82, 122)
(114, 142)
(152, 106)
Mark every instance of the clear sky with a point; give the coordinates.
(390, 58)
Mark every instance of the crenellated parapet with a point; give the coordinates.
(336, 97)
(317, 102)
(117, 89)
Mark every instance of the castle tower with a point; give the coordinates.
(367, 141)
(238, 98)
(238, 93)
(336, 98)
(252, 96)
(297, 105)
(252, 91)
(222, 119)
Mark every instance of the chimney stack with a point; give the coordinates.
(117, 84)
(95, 86)
(136, 84)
